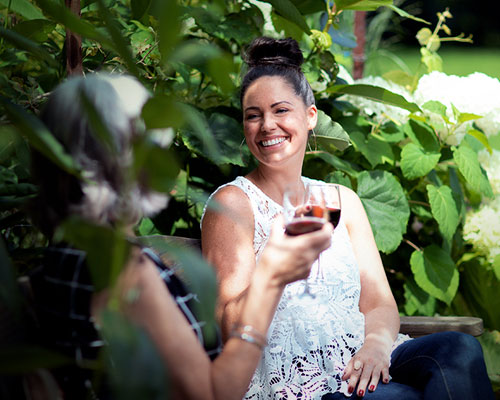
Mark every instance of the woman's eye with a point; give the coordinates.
(282, 110)
(251, 116)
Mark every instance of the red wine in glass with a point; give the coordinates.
(303, 225)
(333, 215)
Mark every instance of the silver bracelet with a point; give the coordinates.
(249, 334)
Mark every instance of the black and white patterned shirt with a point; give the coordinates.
(62, 288)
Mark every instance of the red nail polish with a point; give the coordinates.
(386, 380)
(350, 389)
(371, 388)
(361, 393)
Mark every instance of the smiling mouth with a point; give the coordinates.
(267, 143)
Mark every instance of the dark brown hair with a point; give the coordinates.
(277, 57)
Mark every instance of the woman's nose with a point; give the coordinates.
(268, 123)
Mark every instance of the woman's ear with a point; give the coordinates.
(312, 117)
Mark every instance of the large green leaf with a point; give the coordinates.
(418, 301)
(416, 162)
(404, 14)
(136, 369)
(469, 167)
(23, 43)
(444, 209)
(435, 272)
(23, 8)
(375, 93)
(288, 11)
(329, 133)
(162, 111)
(490, 342)
(374, 148)
(423, 135)
(386, 206)
(169, 27)
(39, 136)
(361, 5)
(219, 138)
(155, 166)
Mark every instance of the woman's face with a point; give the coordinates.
(276, 121)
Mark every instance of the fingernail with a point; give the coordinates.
(350, 389)
(386, 380)
(361, 393)
(371, 388)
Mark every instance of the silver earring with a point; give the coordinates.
(242, 142)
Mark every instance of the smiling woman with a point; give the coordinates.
(348, 341)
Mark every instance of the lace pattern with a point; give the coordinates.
(310, 340)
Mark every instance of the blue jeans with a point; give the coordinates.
(441, 366)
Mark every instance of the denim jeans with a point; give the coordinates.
(441, 366)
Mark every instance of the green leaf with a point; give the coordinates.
(218, 137)
(139, 8)
(329, 134)
(469, 167)
(334, 161)
(375, 150)
(35, 29)
(361, 5)
(40, 137)
(423, 135)
(24, 358)
(169, 26)
(386, 206)
(107, 249)
(23, 8)
(435, 107)
(375, 93)
(135, 367)
(431, 60)
(404, 14)
(416, 162)
(444, 209)
(288, 11)
(155, 166)
(435, 272)
(30, 46)
(162, 111)
(481, 137)
(417, 300)
(490, 342)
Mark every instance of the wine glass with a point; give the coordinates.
(304, 211)
(333, 203)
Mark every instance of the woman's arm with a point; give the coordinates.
(376, 301)
(192, 375)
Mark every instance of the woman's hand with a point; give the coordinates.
(289, 258)
(367, 366)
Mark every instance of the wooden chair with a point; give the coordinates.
(414, 326)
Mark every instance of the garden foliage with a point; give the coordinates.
(414, 164)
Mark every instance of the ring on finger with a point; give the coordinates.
(358, 365)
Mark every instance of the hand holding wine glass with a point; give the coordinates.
(304, 211)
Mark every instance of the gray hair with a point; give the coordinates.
(106, 193)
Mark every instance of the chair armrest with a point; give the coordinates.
(420, 326)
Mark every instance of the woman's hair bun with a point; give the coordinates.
(265, 50)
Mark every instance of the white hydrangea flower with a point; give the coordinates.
(380, 111)
(491, 164)
(476, 93)
(482, 230)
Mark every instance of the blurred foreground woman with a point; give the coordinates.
(149, 293)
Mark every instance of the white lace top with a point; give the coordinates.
(311, 340)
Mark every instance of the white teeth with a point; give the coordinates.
(266, 143)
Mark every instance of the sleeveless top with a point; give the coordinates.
(311, 340)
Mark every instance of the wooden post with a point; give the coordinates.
(74, 60)
(358, 54)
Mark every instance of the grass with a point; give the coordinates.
(460, 61)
